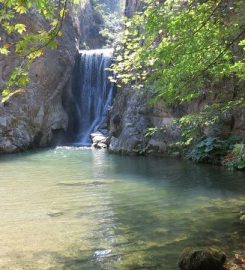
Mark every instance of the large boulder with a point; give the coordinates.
(202, 259)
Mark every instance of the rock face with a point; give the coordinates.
(135, 116)
(131, 116)
(99, 140)
(37, 118)
(91, 24)
(131, 6)
(207, 259)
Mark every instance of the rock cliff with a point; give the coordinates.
(36, 118)
(132, 115)
(91, 23)
(131, 6)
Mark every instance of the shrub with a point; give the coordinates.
(236, 157)
(209, 150)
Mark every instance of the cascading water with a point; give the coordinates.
(94, 92)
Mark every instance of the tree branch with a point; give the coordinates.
(55, 31)
(208, 18)
(221, 53)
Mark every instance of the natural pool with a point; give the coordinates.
(73, 208)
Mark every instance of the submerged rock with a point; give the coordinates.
(102, 253)
(242, 219)
(242, 216)
(55, 214)
(238, 262)
(202, 259)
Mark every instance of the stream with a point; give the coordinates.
(77, 208)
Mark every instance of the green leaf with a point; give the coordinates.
(4, 51)
(20, 9)
(20, 28)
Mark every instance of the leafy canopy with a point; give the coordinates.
(179, 49)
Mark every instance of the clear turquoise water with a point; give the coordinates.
(72, 208)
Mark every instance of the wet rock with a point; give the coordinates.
(97, 183)
(55, 214)
(115, 125)
(242, 212)
(175, 154)
(237, 262)
(202, 259)
(73, 184)
(100, 141)
(242, 216)
(242, 219)
(156, 146)
(102, 253)
(98, 137)
(83, 183)
(101, 146)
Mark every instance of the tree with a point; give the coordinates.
(178, 49)
(24, 44)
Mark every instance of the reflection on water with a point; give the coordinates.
(73, 208)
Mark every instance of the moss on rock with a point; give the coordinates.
(202, 259)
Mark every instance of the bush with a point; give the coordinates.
(236, 157)
(209, 150)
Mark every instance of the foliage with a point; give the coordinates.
(208, 150)
(236, 157)
(192, 125)
(230, 152)
(175, 42)
(151, 131)
(110, 11)
(17, 40)
(140, 150)
(181, 50)
(111, 28)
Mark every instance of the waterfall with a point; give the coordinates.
(94, 92)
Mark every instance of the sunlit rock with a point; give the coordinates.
(99, 140)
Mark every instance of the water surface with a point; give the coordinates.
(73, 208)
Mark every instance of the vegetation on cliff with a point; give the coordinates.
(185, 51)
(111, 12)
(28, 43)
